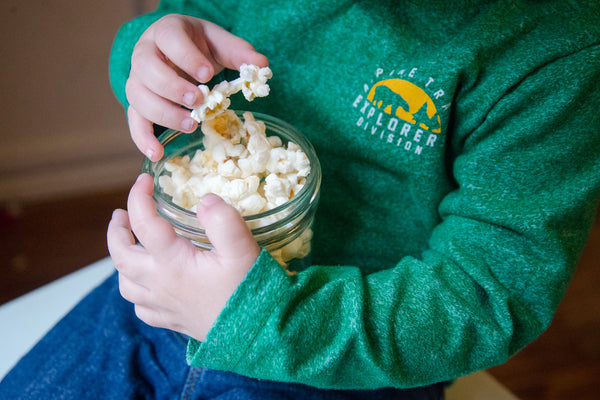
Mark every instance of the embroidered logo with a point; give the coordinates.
(396, 110)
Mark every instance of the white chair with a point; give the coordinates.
(26, 319)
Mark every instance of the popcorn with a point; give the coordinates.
(250, 171)
(277, 190)
(252, 204)
(252, 82)
(229, 170)
(297, 248)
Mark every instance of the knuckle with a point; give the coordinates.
(139, 226)
(142, 314)
(168, 20)
(191, 59)
(166, 28)
(119, 265)
(169, 89)
(148, 316)
(163, 118)
(116, 253)
(225, 215)
(123, 288)
(137, 59)
(131, 87)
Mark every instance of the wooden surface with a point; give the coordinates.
(564, 362)
(40, 242)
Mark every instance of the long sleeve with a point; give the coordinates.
(451, 219)
(497, 264)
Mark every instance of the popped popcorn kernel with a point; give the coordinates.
(222, 126)
(252, 83)
(250, 171)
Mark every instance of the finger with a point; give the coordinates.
(157, 109)
(132, 291)
(119, 233)
(174, 37)
(154, 233)
(150, 67)
(149, 316)
(154, 315)
(122, 246)
(229, 50)
(226, 229)
(142, 134)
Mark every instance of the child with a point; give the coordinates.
(461, 174)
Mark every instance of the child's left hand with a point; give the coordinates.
(172, 284)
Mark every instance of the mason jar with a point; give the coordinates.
(285, 231)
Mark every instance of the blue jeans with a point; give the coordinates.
(101, 350)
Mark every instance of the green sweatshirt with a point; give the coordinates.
(460, 148)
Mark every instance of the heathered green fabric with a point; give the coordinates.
(442, 246)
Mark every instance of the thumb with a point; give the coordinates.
(226, 229)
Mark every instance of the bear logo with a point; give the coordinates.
(405, 100)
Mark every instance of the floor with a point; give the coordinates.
(44, 240)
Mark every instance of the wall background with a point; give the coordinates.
(62, 132)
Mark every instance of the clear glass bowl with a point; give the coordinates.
(285, 231)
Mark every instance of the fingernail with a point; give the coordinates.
(209, 199)
(187, 124)
(189, 99)
(149, 154)
(203, 74)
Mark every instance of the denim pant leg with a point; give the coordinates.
(218, 385)
(101, 350)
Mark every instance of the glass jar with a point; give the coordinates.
(285, 231)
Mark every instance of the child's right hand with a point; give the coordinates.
(171, 57)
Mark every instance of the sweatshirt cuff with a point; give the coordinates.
(243, 317)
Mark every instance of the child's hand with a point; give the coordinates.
(172, 284)
(171, 57)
